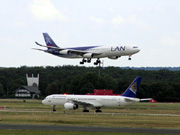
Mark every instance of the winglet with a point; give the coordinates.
(133, 88)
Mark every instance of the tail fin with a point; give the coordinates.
(48, 40)
(133, 88)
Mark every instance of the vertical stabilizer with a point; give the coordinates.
(133, 88)
(48, 40)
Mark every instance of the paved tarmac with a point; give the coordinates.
(89, 129)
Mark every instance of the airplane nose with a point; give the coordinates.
(43, 101)
(135, 49)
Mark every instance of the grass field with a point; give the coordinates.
(136, 115)
(37, 132)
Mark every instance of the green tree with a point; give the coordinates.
(1, 91)
(52, 88)
(161, 89)
(105, 81)
(13, 85)
(87, 88)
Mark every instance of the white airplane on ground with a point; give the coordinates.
(89, 52)
(95, 101)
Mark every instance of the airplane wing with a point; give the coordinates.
(78, 52)
(70, 51)
(145, 99)
(82, 103)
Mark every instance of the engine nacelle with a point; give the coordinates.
(70, 106)
(64, 52)
(88, 55)
(114, 57)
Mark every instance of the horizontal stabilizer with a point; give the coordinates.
(131, 99)
(40, 44)
(145, 99)
(38, 49)
(52, 47)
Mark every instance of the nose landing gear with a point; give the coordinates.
(54, 109)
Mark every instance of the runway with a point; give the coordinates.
(88, 129)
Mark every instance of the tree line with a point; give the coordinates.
(158, 84)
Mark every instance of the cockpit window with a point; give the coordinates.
(135, 47)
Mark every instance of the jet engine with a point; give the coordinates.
(88, 55)
(70, 106)
(64, 52)
(114, 57)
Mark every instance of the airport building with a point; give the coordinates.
(31, 90)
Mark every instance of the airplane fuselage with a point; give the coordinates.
(112, 52)
(96, 100)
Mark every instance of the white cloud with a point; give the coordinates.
(45, 10)
(111, 10)
(138, 22)
(157, 8)
(133, 20)
(178, 8)
(19, 24)
(170, 41)
(118, 20)
(140, 9)
(97, 20)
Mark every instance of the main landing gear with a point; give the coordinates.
(89, 61)
(129, 57)
(98, 109)
(97, 62)
(84, 60)
(85, 110)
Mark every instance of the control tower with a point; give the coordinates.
(33, 81)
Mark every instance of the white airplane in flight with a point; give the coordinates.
(89, 52)
(95, 101)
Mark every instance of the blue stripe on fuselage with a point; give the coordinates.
(83, 48)
(54, 52)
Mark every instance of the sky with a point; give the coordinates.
(152, 25)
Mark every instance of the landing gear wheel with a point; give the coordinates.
(81, 62)
(97, 62)
(85, 110)
(98, 111)
(129, 58)
(89, 61)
